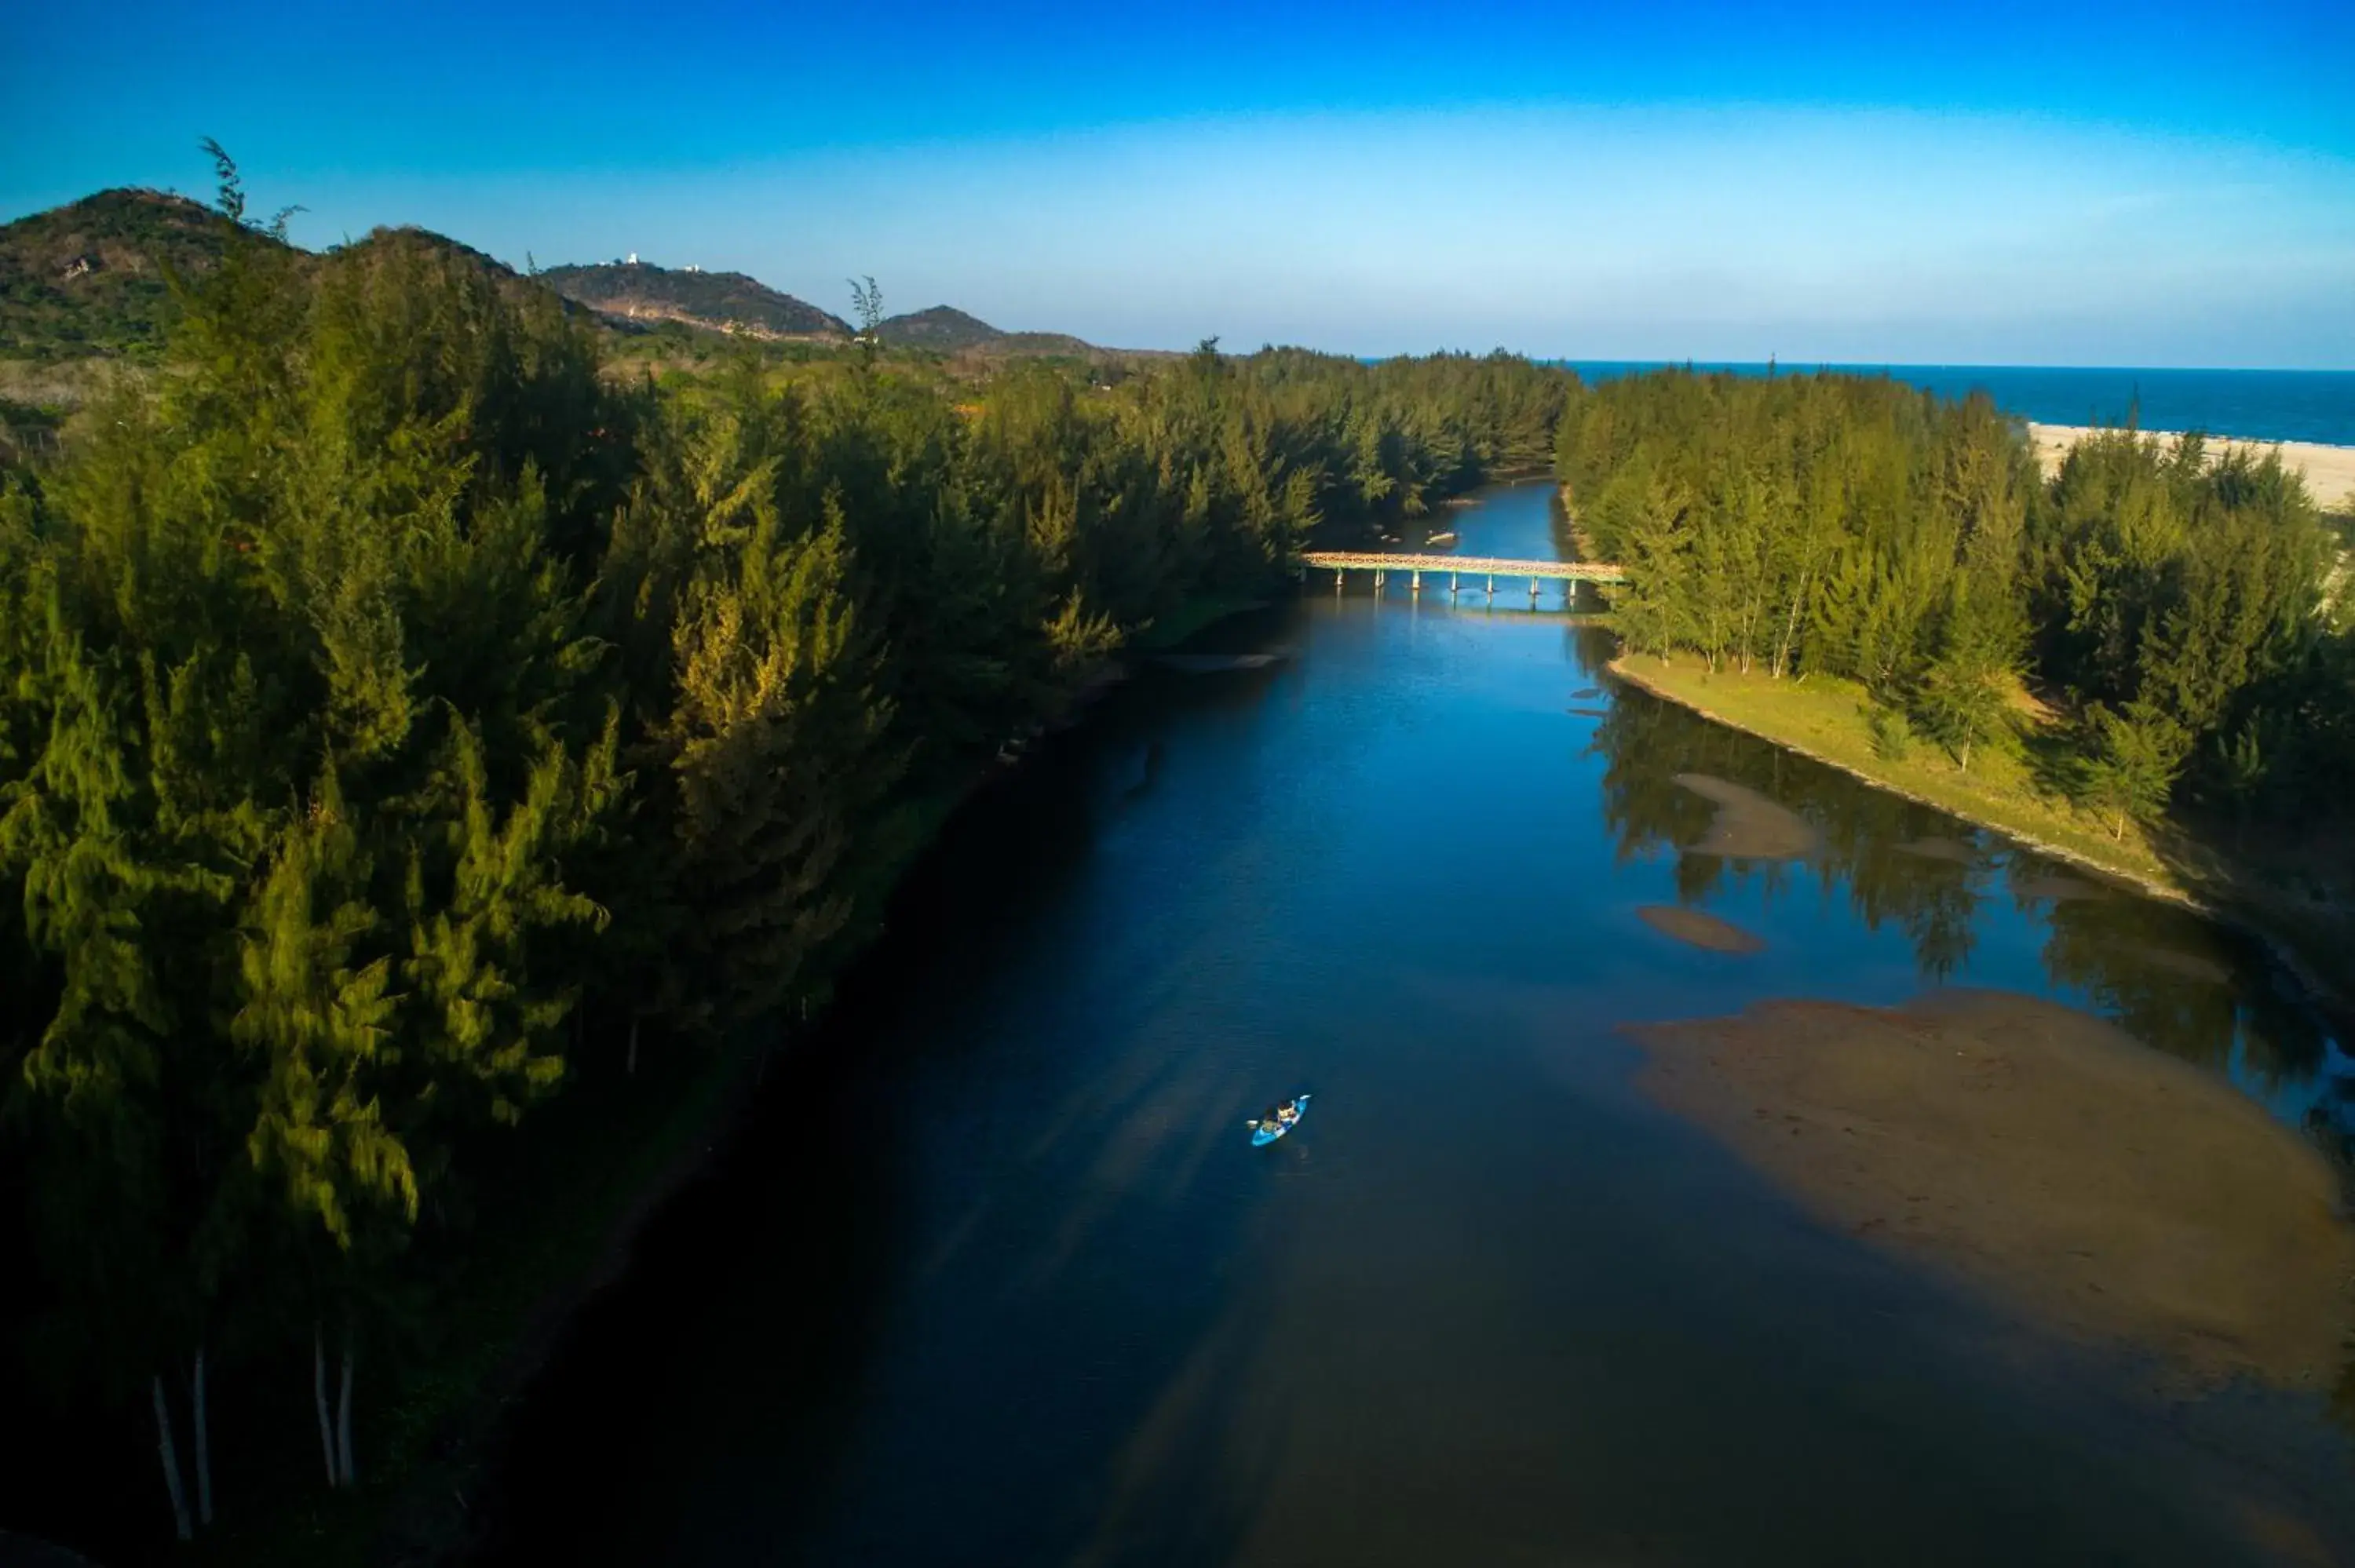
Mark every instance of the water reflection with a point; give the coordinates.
(997, 1278)
(2172, 979)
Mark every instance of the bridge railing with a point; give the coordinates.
(1466, 566)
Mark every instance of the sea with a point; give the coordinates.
(2251, 404)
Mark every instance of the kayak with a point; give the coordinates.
(1266, 1132)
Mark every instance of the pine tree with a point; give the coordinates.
(2130, 763)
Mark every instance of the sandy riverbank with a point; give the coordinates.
(2096, 1187)
(2329, 470)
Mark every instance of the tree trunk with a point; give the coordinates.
(633, 1045)
(1967, 758)
(344, 1413)
(204, 1448)
(319, 1393)
(1790, 628)
(171, 1462)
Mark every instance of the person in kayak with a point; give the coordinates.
(1288, 1112)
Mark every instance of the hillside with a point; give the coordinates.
(722, 302)
(946, 330)
(84, 299)
(87, 279)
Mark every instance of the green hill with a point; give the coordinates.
(724, 302)
(87, 279)
(83, 292)
(946, 330)
(84, 298)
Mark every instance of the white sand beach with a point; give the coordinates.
(2329, 470)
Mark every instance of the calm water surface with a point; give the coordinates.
(998, 1280)
(2254, 404)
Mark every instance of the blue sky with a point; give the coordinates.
(2002, 184)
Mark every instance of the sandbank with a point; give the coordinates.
(1748, 826)
(2097, 1187)
(1697, 929)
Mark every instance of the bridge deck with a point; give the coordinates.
(1468, 566)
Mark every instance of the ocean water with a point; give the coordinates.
(2255, 405)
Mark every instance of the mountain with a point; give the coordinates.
(393, 246)
(722, 302)
(87, 279)
(85, 284)
(945, 330)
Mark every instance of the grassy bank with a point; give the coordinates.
(2274, 891)
(1825, 719)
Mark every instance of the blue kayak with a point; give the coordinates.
(1266, 1132)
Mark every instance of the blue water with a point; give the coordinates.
(2255, 405)
(995, 1275)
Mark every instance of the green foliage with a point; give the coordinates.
(1801, 522)
(2169, 594)
(2130, 760)
(1960, 701)
(1964, 689)
(94, 276)
(396, 712)
(1893, 733)
(2165, 582)
(866, 304)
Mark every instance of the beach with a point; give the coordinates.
(2330, 470)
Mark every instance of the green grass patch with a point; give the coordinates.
(1834, 722)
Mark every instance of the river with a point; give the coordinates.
(996, 1277)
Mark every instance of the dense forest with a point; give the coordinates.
(416, 717)
(2173, 603)
(408, 718)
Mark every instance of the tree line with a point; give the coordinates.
(404, 717)
(2175, 603)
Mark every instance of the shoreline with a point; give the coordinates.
(2329, 471)
(713, 1109)
(2328, 995)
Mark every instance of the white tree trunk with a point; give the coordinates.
(171, 1462)
(319, 1391)
(204, 1448)
(344, 1415)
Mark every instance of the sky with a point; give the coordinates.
(1998, 183)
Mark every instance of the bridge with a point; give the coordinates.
(1341, 563)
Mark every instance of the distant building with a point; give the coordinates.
(634, 258)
